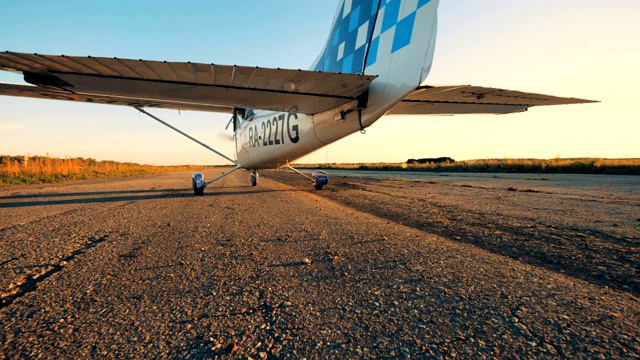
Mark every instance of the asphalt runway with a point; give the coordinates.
(596, 186)
(141, 268)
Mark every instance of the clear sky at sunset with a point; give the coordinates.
(588, 49)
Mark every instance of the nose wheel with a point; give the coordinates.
(254, 177)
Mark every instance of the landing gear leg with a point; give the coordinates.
(198, 178)
(199, 184)
(318, 177)
(254, 177)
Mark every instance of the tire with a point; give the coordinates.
(198, 192)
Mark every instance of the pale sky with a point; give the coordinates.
(588, 49)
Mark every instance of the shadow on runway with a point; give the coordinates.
(90, 193)
(108, 196)
(99, 193)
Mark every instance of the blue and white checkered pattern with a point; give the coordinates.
(354, 26)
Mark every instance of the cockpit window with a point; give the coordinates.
(244, 114)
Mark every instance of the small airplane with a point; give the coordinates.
(376, 57)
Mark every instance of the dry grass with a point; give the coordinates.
(556, 165)
(43, 169)
(531, 190)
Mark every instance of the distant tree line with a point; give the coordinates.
(440, 160)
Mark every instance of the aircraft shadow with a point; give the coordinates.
(108, 197)
(90, 193)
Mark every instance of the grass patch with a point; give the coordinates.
(23, 170)
(437, 221)
(474, 186)
(529, 190)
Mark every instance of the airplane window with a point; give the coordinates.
(240, 115)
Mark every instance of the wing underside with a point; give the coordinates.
(221, 88)
(467, 99)
(179, 85)
(54, 94)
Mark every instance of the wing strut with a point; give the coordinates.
(139, 108)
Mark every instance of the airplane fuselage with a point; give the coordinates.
(270, 139)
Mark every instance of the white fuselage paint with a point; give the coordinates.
(273, 139)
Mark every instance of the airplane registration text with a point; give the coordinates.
(272, 131)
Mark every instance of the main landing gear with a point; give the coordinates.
(197, 179)
(318, 177)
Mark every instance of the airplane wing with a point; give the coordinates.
(179, 85)
(467, 99)
(54, 94)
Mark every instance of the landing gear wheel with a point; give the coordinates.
(320, 179)
(254, 178)
(197, 180)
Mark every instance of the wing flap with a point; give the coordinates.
(215, 85)
(467, 99)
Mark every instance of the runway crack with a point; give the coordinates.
(30, 283)
(10, 260)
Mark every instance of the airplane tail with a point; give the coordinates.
(392, 39)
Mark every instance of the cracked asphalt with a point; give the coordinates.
(141, 268)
